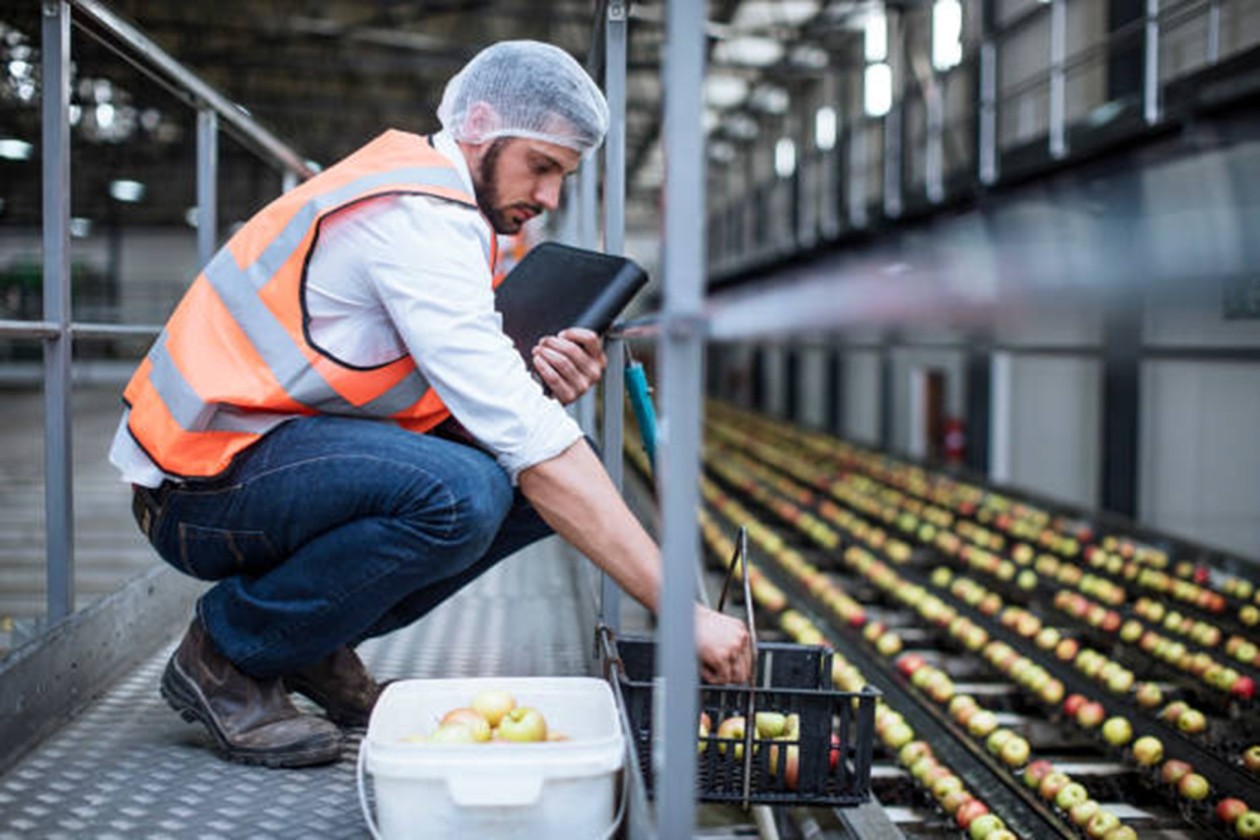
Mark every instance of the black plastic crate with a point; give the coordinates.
(791, 679)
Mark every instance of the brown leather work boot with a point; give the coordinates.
(251, 720)
(341, 684)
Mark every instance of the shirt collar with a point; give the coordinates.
(446, 144)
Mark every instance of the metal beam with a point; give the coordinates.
(614, 61)
(58, 472)
(681, 354)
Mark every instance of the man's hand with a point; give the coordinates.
(570, 363)
(722, 645)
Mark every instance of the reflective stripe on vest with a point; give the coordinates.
(234, 360)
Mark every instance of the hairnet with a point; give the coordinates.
(533, 90)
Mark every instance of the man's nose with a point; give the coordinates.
(548, 193)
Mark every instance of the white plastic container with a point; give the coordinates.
(494, 790)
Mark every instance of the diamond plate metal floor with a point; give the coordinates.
(129, 767)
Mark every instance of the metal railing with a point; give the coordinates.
(57, 331)
(947, 147)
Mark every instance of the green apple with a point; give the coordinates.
(454, 733)
(1148, 751)
(1248, 825)
(770, 724)
(1102, 824)
(1117, 731)
(1071, 794)
(493, 704)
(984, 825)
(1015, 752)
(734, 728)
(1052, 784)
(1193, 786)
(523, 724)
(1082, 812)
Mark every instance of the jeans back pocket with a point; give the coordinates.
(216, 553)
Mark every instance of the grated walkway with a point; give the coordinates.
(129, 767)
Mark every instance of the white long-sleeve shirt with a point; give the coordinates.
(408, 274)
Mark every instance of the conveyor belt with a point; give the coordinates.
(129, 767)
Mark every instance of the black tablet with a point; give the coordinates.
(556, 286)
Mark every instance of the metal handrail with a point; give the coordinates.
(57, 330)
(146, 55)
(78, 329)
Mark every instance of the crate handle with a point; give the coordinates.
(750, 718)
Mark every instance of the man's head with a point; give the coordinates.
(524, 113)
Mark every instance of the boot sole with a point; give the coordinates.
(182, 696)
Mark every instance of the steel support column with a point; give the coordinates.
(1121, 379)
(58, 349)
(614, 242)
(979, 407)
(207, 184)
(681, 352)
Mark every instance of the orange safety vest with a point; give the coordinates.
(235, 360)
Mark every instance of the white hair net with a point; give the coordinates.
(532, 90)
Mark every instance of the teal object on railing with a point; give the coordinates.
(641, 402)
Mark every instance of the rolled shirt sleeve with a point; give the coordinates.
(428, 268)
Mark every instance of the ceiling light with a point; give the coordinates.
(748, 51)
(770, 99)
(723, 91)
(825, 128)
(784, 157)
(808, 56)
(740, 126)
(878, 94)
(721, 152)
(80, 227)
(126, 191)
(876, 42)
(757, 13)
(104, 115)
(710, 120)
(13, 149)
(946, 34)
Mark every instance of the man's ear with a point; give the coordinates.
(480, 120)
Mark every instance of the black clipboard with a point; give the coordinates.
(555, 287)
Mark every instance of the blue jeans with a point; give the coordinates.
(333, 530)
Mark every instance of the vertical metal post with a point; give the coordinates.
(893, 119)
(987, 153)
(1214, 32)
(681, 351)
(1001, 408)
(207, 184)
(934, 154)
(857, 174)
(587, 237)
(1058, 82)
(58, 350)
(615, 143)
(828, 181)
(1150, 87)
(615, 242)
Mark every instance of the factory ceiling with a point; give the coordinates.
(327, 75)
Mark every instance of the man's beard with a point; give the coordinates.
(487, 190)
